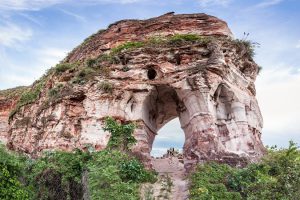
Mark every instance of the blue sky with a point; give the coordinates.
(36, 34)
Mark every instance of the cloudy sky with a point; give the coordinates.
(36, 34)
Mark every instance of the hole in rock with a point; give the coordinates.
(169, 136)
(151, 74)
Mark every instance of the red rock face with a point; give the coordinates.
(6, 105)
(139, 30)
(208, 84)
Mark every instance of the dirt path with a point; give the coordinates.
(171, 184)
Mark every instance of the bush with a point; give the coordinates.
(53, 93)
(106, 87)
(126, 46)
(110, 174)
(28, 97)
(277, 176)
(62, 67)
(121, 134)
(11, 172)
(133, 170)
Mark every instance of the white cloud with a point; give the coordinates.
(11, 34)
(40, 4)
(74, 15)
(28, 4)
(268, 3)
(279, 97)
(207, 3)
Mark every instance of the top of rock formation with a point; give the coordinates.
(140, 30)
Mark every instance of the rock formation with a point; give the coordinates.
(149, 72)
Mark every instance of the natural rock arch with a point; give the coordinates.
(194, 70)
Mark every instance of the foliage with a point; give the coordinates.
(126, 46)
(209, 183)
(54, 92)
(277, 176)
(106, 87)
(121, 134)
(180, 38)
(12, 92)
(62, 67)
(246, 46)
(110, 176)
(28, 97)
(133, 170)
(11, 168)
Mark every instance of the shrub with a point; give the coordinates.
(54, 92)
(90, 62)
(246, 46)
(121, 134)
(179, 38)
(106, 87)
(11, 171)
(133, 170)
(126, 46)
(62, 67)
(28, 97)
(277, 176)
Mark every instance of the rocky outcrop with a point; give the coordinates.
(185, 66)
(8, 100)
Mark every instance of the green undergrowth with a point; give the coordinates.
(111, 174)
(13, 92)
(276, 177)
(29, 96)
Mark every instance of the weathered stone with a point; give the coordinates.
(208, 85)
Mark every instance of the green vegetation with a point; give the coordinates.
(277, 176)
(11, 169)
(53, 93)
(126, 46)
(108, 174)
(28, 97)
(106, 87)
(121, 134)
(180, 38)
(246, 47)
(62, 67)
(13, 92)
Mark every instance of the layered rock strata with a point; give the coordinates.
(185, 66)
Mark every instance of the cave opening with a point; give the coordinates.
(162, 117)
(151, 74)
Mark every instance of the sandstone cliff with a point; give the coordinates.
(149, 72)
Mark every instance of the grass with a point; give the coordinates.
(106, 87)
(53, 93)
(126, 46)
(62, 67)
(245, 45)
(13, 92)
(28, 97)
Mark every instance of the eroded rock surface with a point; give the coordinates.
(8, 100)
(208, 83)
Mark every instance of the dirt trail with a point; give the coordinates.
(171, 184)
